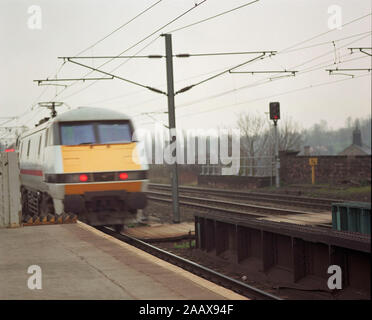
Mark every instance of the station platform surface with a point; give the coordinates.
(80, 262)
(162, 232)
(312, 218)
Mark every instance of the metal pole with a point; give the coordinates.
(313, 174)
(277, 160)
(172, 125)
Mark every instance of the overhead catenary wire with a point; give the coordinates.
(321, 65)
(222, 73)
(56, 75)
(320, 34)
(340, 71)
(258, 83)
(119, 28)
(323, 33)
(306, 70)
(92, 83)
(273, 78)
(42, 81)
(324, 43)
(344, 24)
(330, 51)
(157, 98)
(266, 81)
(180, 55)
(270, 96)
(23, 114)
(118, 77)
(362, 50)
(265, 71)
(220, 69)
(225, 70)
(212, 17)
(125, 24)
(142, 40)
(157, 30)
(270, 78)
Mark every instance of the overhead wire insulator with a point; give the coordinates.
(156, 56)
(155, 90)
(184, 89)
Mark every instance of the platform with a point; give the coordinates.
(313, 218)
(80, 262)
(162, 232)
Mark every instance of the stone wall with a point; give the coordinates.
(330, 169)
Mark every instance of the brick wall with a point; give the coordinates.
(190, 175)
(235, 182)
(330, 169)
(162, 174)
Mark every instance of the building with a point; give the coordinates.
(357, 148)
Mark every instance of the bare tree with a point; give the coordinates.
(290, 137)
(254, 138)
(254, 134)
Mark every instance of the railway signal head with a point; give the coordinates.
(274, 111)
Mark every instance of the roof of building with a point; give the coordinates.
(355, 150)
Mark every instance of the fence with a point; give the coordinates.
(10, 206)
(248, 167)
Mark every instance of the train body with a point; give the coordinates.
(83, 162)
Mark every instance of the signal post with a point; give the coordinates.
(275, 116)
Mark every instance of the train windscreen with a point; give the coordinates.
(95, 133)
(111, 133)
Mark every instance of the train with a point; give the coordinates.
(83, 162)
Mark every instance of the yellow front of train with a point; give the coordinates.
(95, 169)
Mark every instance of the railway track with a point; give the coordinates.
(229, 207)
(288, 200)
(207, 273)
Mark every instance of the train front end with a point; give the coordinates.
(95, 170)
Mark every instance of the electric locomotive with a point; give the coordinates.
(82, 162)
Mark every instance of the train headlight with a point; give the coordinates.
(123, 176)
(83, 178)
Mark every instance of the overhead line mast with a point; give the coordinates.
(172, 125)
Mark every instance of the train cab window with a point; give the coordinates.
(46, 137)
(96, 133)
(114, 132)
(38, 152)
(75, 134)
(28, 148)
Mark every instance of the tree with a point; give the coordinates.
(254, 134)
(254, 139)
(290, 137)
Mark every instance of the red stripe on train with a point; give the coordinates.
(38, 173)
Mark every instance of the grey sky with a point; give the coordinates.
(69, 26)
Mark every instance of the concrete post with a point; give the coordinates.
(10, 195)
